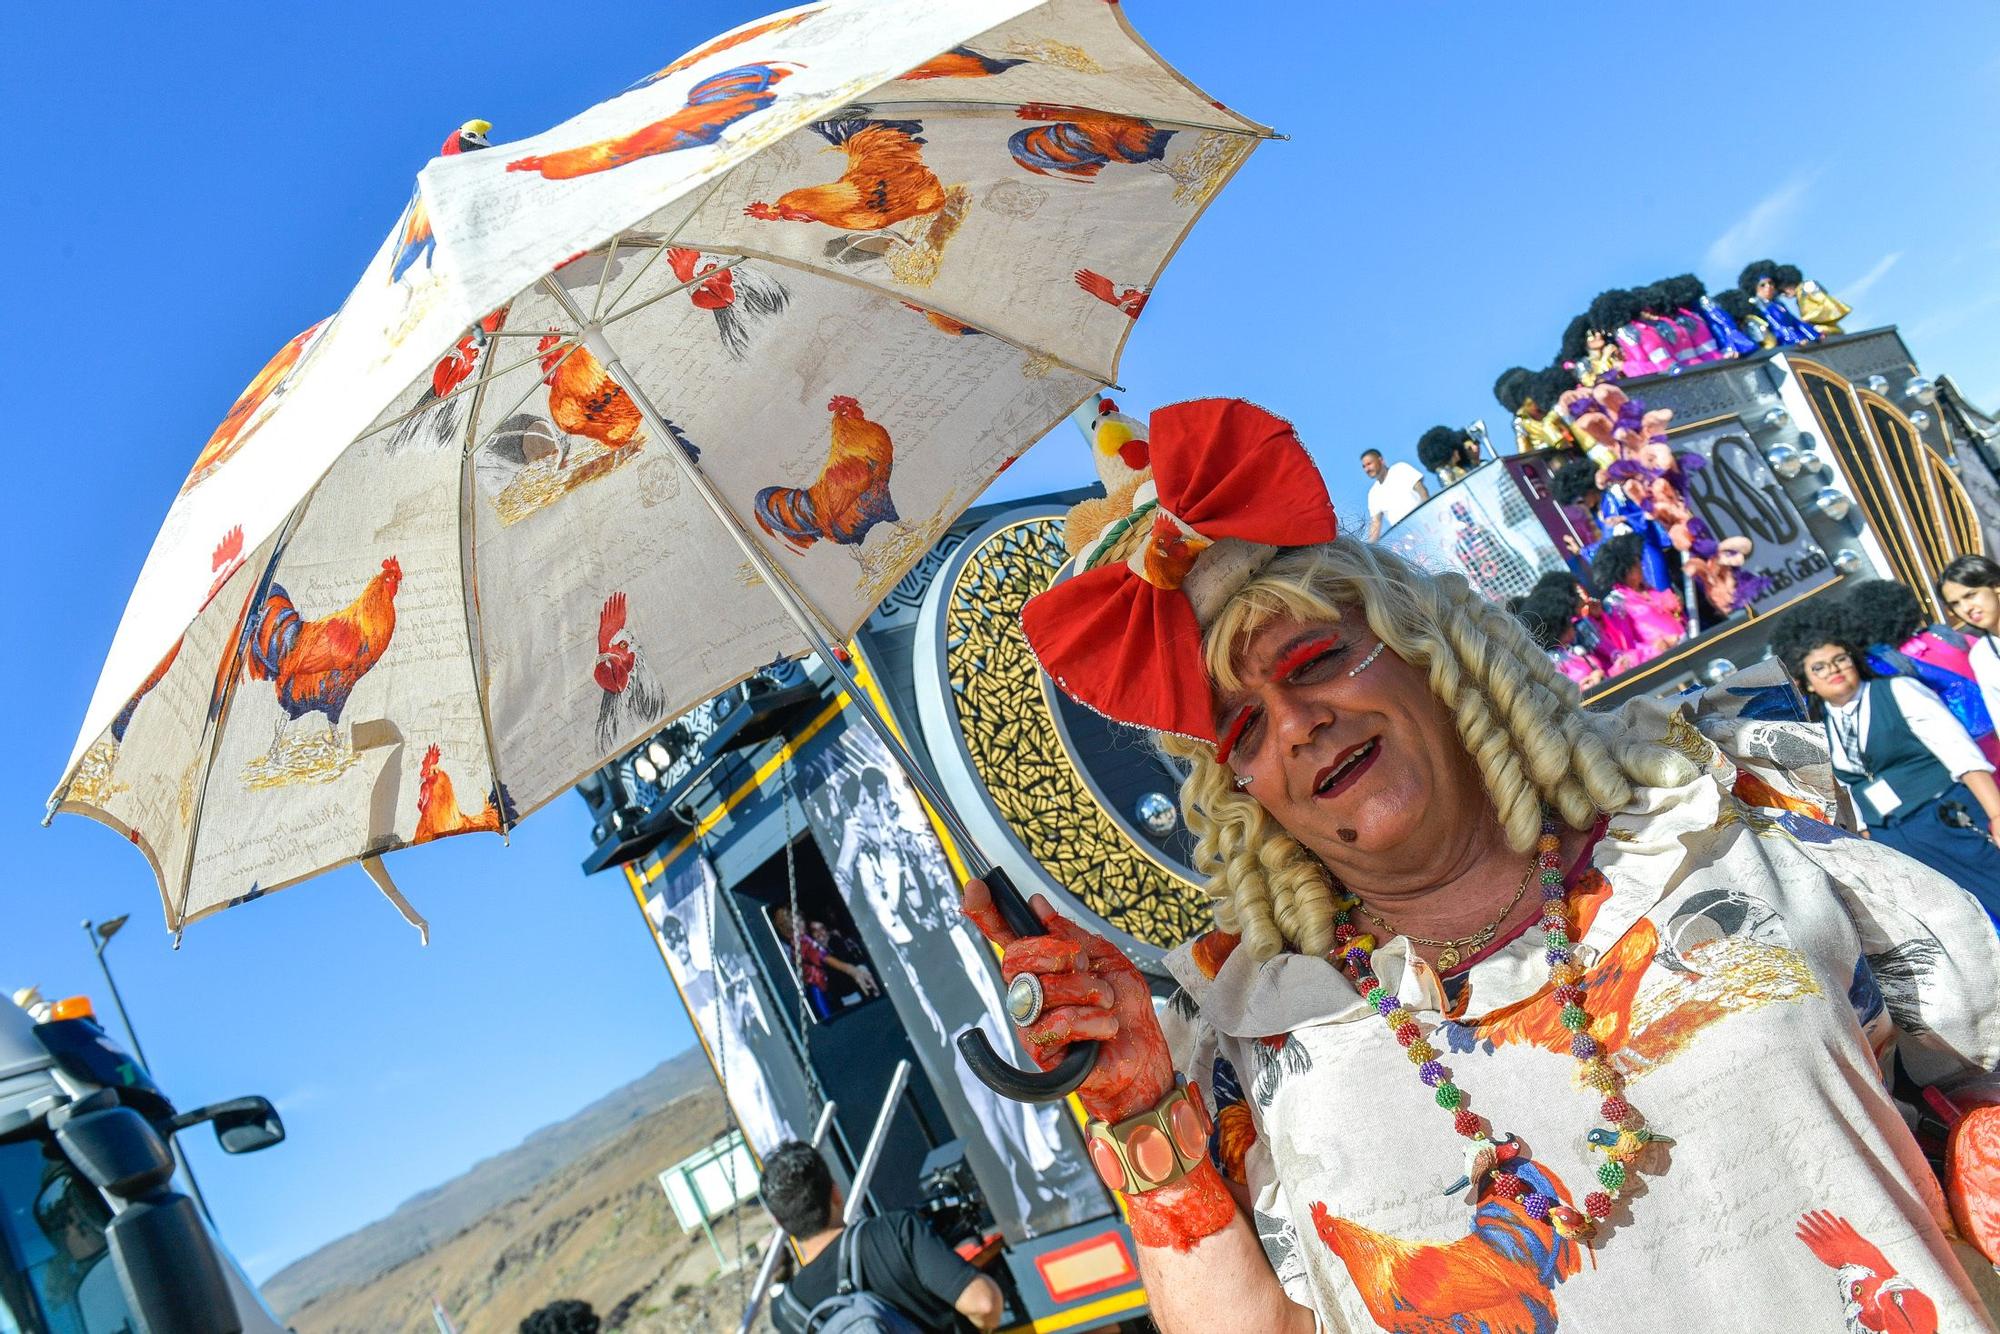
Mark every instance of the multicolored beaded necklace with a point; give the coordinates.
(1488, 1154)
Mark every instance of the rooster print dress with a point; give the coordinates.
(1759, 977)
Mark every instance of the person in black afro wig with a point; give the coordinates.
(1746, 281)
(1573, 349)
(1511, 389)
(1683, 289)
(1574, 482)
(1881, 611)
(1613, 309)
(1443, 447)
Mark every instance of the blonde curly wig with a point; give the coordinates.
(1521, 720)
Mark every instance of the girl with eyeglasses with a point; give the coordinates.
(1917, 779)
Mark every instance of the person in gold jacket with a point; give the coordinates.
(1817, 306)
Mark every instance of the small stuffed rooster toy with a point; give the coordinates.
(1118, 447)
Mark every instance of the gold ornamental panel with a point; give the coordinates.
(1017, 748)
(1884, 503)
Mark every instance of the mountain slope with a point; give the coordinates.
(435, 1216)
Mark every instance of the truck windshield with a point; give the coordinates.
(56, 1274)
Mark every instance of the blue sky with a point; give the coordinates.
(189, 186)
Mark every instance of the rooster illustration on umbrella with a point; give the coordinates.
(850, 495)
(313, 667)
(632, 694)
(713, 105)
(438, 811)
(1080, 143)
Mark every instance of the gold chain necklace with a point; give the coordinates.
(1451, 951)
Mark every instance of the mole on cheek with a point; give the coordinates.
(1346, 835)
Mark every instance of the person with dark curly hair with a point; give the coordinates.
(1657, 617)
(1531, 396)
(1759, 282)
(1448, 451)
(1918, 782)
(1549, 613)
(1641, 349)
(1683, 294)
(1817, 306)
(1656, 310)
(1886, 619)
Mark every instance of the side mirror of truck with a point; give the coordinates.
(166, 1264)
(242, 1125)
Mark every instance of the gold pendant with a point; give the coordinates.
(1448, 957)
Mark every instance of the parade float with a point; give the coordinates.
(769, 816)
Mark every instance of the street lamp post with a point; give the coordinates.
(100, 934)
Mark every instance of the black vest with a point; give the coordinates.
(1893, 752)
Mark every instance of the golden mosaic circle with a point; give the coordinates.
(1017, 749)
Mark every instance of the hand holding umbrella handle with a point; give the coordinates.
(977, 1051)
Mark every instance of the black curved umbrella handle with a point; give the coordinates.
(977, 1051)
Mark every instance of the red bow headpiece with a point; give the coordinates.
(1231, 486)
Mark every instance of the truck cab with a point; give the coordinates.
(94, 1238)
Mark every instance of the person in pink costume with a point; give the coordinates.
(1684, 293)
(1644, 351)
(1655, 618)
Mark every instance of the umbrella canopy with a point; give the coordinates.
(438, 561)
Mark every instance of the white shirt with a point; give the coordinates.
(1395, 493)
(1940, 733)
(1985, 655)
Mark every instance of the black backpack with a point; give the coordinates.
(851, 1309)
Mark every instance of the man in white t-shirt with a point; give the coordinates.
(1398, 489)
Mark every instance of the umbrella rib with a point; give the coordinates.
(468, 577)
(695, 281)
(791, 595)
(1029, 348)
(232, 646)
(604, 273)
(465, 388)
(666, 243)
(1010, 111)
(625, 291)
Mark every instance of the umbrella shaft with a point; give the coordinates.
(593, 338)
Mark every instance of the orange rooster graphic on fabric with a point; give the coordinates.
(1610, 987)
(1499, 1278)
(414, 238)
(1234, 1131)
(315, 665)
(584, 399)
(962, 62)
(851, 494)
(886, 181)
(1083, 142)
(739, 299)
(438, 812)
(941, 322)
(1128, 301)
(713, 105)
(632, 694)
(252, 406)
(1876, 1299)
(727, 41)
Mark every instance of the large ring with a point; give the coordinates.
(1024, 999)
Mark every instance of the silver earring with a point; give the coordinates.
(1242, 782)
(1373, 654)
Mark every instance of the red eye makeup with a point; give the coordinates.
(1302, 655)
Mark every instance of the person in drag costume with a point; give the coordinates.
(1516, 1016)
